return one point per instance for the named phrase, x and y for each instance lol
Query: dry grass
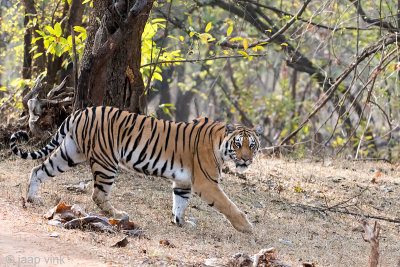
(267, 195)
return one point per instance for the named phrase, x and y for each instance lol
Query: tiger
(190, 154)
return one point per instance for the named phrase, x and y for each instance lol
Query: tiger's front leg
(180, 195)
(211, 193)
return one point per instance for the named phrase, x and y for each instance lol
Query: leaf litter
(73, 217)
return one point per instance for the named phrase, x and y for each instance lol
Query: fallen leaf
(309, 264)
(166, 243)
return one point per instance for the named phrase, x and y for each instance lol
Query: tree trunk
(165, 94)
(184, 99)
(110, 69)
(27, 64)
(39, 64)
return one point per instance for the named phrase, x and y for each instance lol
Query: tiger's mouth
(241, 167)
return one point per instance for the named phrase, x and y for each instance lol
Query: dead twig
(372, 236)
(338, 205)
(340, 210)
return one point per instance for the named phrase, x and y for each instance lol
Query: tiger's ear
(259, 130)
(229, 127)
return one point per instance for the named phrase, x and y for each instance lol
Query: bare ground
(273, 194)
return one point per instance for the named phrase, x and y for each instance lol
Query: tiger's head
(241, 145)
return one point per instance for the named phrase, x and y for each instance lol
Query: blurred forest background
(321, 76)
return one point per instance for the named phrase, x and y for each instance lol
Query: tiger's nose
(246, 159)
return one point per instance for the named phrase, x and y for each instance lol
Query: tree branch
(384, 24)
(383, 42)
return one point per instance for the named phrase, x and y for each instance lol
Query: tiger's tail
(53, 144)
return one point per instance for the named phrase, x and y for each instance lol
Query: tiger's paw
(35, 200)
(241, 223)
(178, 221)
(116, 214)
(119, 214)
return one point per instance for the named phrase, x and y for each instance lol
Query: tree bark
(110, 69)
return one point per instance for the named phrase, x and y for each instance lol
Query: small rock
(336, 179)
(56, 222)
(213, 262)
(192, 221)
(258, 205)
(129, 194)
(386, 189)
(286, 242)
(122, 243)
(54, 234)
(327, 163)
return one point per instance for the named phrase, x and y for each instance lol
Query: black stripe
(177, 135)
(141, 124)
(184, 136)
(154, 147)
(167, 138)
(155, 172)
(103, 175)
(99, 186)
(144, 169)
(51, 163)
(164, 167)
(172, 160)
(44, 168)
(107, 183)
(158, 157)
(133, 124)
(135, 145)
(152, 122)
(119, 131)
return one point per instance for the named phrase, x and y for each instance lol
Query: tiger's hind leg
(66, 156)
(103, 179)
(181, 194)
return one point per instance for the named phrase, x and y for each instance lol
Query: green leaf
(40, 32)
(236, 39)
(50, 30)
(79, 29)
(157, 76)
(33, 49)
(229, 31)
(245, 44)
(37, 55)
(35, 39)
(203, 37)
(57, 29)
(208, 27)
(172, 37)
(158, 20)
